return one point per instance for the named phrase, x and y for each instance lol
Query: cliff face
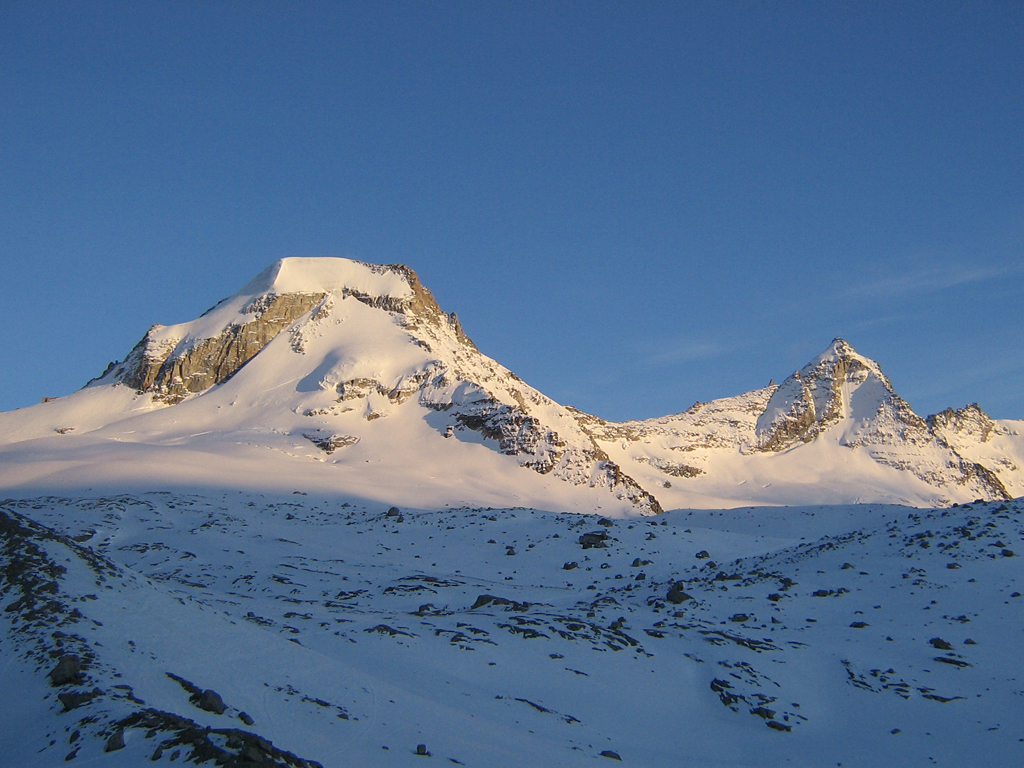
(172, 369)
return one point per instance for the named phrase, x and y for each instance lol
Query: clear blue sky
(632, 205)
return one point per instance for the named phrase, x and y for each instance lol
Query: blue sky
(632, 205)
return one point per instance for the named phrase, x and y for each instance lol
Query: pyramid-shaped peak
(840, 360)
(839, 383)
(328, 275)
(841, 349)
(841, 346)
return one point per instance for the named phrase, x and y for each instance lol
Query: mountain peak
(839, 351)
(173, 362)
(328, 275)
(340, 371)
(841, 346)
(822, 393)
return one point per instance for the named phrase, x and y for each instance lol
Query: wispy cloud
(685, 351)
(932, 280)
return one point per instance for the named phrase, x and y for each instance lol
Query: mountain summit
(343, 376)
(836, 385)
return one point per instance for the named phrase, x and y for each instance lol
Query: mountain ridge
(329, 351)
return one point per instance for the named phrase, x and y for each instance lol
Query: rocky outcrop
(969, 422)
(539, 447)
(422, 306)
(975, 473)
(172, 370)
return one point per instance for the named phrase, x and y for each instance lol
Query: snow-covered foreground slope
(337, 376)
(349, 634)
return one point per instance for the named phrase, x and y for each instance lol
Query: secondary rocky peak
(839, 383)
(969, 422)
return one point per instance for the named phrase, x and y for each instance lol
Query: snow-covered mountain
(322, 373)
(336, 375)
(833, 432)
(317, 527)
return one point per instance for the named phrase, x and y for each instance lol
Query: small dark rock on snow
(68, 670)
(75, 699)
(116, 741)
(211, 702)
(597, 539)
(676, 595)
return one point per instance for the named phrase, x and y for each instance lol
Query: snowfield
(349, 633)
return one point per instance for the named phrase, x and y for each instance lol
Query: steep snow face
(839, 384)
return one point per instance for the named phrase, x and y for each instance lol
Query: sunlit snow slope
(320, 374)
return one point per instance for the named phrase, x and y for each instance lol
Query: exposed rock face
(986, 478)
(68, 670)
(542, 449)
(329, 443)
(174, 370)
(969, 422)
